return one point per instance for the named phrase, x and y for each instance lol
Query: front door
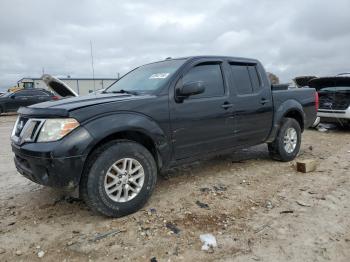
(202, 123)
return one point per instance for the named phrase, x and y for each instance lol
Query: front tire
(120, 178)
(287, 143)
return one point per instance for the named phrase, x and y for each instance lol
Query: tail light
(55, 98)
(317, 101)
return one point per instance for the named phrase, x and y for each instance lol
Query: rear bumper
(52, 172)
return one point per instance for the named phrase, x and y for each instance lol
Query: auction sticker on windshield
(159, 76)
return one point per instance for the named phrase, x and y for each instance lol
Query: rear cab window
(246, 79)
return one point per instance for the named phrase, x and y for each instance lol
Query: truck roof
(241, 59)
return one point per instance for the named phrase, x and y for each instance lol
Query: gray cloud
(291, 38)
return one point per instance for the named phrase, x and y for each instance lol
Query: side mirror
(190, 89)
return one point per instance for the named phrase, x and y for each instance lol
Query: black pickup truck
(113, 144)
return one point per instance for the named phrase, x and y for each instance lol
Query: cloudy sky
(291, 38)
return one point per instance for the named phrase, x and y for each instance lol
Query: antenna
(92, 66)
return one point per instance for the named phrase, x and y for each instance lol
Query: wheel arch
(131, 135)
(297, 115)
(290, 108)
(129, 126)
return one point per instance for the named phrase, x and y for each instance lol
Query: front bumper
(53, 172)
(327, 113)
(54, 164)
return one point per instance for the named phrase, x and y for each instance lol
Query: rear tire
(287, 143)
(110, 185)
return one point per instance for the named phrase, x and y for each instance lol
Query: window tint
(242, 79)
(253, 73)
(210, 75)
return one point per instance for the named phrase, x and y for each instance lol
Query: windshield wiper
(121, 91)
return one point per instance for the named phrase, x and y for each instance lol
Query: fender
(284, 109)
(110, 124)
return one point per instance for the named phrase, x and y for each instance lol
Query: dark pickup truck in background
(112, 145)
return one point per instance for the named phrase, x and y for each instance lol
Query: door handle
(264, 101)
(226, 105)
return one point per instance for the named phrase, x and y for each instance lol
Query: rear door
(203, 122)
(253, 106)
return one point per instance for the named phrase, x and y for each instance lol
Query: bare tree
(273, 78)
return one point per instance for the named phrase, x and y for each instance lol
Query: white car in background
(334, 98)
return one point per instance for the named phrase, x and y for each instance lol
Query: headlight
(55, 129)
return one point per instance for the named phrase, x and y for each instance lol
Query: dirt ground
(258, 210)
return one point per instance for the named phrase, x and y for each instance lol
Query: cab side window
(254, 78)
(246, 79)
(210, 74)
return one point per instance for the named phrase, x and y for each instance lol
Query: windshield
(147, 78)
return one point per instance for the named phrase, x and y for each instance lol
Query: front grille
(26, 129)
(21, 122)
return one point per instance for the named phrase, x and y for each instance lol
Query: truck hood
(326, 82)
(302, 81)
(62, 108)
(59, 87)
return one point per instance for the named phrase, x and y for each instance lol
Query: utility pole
(92, 66)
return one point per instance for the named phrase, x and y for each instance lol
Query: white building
(82, 86)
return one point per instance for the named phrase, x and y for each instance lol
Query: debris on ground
(263, 227)
(205, 190)
(172, 227)
(153, 259)
(287, 212)
(202, 205)
(106, 234)
(220, 188)
(302, 204)
(208, 240)
(321, 129)
(153, 210)
(306, 166)
(41, 254)
(268, 204)
(68, 199)
(324, 127)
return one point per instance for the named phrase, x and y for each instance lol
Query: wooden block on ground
(305, 166)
